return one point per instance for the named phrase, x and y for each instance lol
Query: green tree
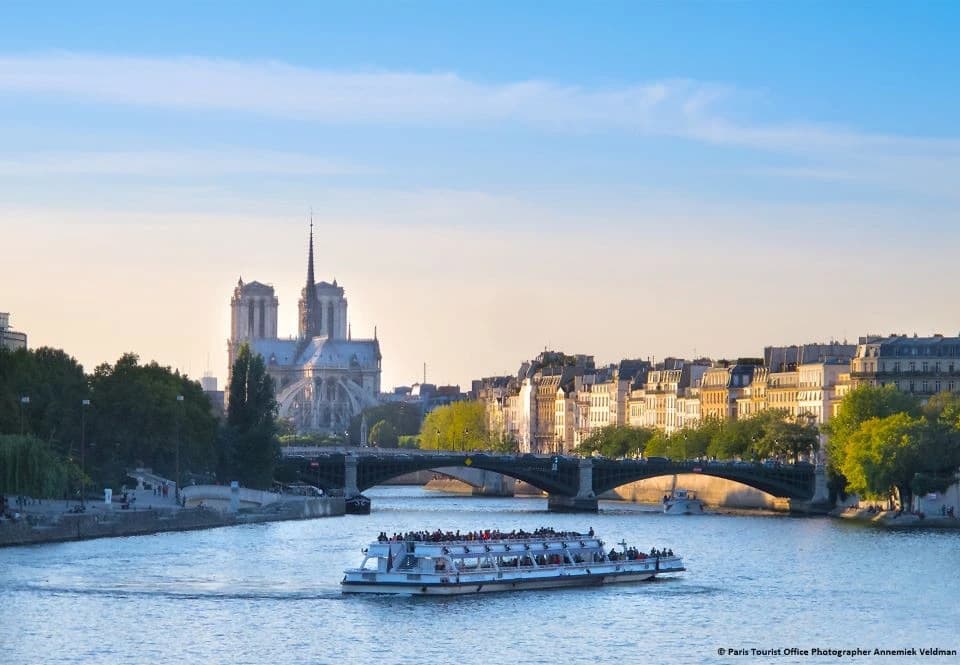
(857, 407)
(31, 467)
(735, 439)
(249, 450)
(900, 455)
(383, 435)
(135, 419)
(55, 384)
(782, 438)
(457, 426)
(617, 441)
(404, 417)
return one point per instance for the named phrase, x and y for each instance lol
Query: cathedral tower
(253, 312)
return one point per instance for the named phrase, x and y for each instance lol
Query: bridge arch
(783, 482)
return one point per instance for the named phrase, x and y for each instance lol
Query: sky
(622, 179)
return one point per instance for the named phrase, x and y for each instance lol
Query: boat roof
(472, 548)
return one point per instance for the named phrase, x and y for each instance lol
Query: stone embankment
(100, 522)
(892, 519)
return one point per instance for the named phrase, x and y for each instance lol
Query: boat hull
(683, 507)
(493, 585)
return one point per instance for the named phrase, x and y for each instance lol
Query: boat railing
(573, 538)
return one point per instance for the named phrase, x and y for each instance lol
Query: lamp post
(463, 446)
(24, 399)
(438, 438)
(84, 403)
(177, 464)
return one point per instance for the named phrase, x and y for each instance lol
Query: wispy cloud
(681, 108)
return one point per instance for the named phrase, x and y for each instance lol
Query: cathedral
(323, 377)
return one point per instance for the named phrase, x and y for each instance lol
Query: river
(269, 593)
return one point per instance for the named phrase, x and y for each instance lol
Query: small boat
(357, 505)
(682, 502)
(485, 562)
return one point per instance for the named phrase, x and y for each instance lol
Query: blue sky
(590, 137)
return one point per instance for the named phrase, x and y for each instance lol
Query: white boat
(682, 502)
(500, 562)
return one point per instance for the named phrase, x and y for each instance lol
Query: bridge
(572, 484)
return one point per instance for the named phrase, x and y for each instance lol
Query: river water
(269, 593)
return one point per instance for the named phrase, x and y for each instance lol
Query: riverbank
(37, 527)
(891, 519)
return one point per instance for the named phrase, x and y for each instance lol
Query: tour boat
(426, 565)
(682, 502)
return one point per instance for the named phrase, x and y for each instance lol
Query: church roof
(319, 352)
(323, 352)
(280, 351)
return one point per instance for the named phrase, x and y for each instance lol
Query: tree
(135, 419)
(405, 419)
(457, 426)
(781, 438)
(857, 407)
(30, 467)
(735, 439)
(249, 449)
(901, 455)
(383, 435)
(55, 384)
(617, 441)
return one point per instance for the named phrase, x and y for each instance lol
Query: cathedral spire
(309, 306)
(311, 282)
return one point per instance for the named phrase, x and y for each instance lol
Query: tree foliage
(859, 406)
(56, 386)
(31, 467)
(249, 449)
(617, 441)
(383, 435)
(886, 444)
(135, 419)
(458, 426)
(405, 419)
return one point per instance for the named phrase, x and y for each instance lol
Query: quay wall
(710, 490)
(108, 523)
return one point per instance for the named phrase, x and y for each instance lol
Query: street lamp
(179, 409)
(438, 438)
(463, 446)
(24, 399)
(84, 403)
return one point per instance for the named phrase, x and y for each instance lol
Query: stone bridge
(571, 483)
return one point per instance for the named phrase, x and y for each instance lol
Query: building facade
(10, 339)
(921, 366)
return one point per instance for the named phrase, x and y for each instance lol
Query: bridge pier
(494, 484)
(585, 501)
(356, 503)
(820, 503)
